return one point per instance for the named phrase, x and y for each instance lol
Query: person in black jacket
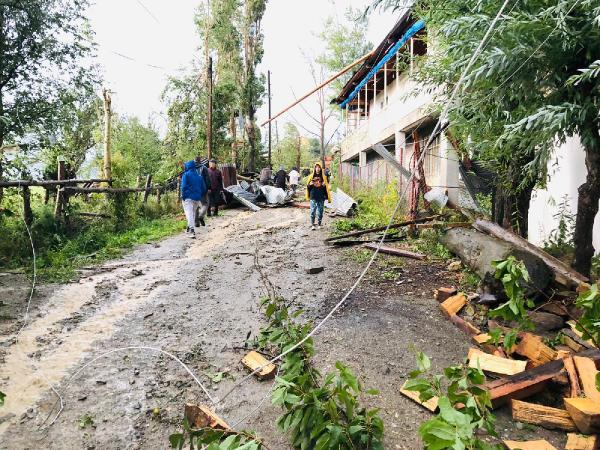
(216, 187)
(281, 178)
(202, 169)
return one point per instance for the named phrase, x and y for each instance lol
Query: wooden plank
(579, 334)
(533, 348)
(431, 404)
(382, 228)
(586, 369)
(572, 343)
(585, 413)
(454, 304)
(254, 360)
(396, 251)
(577, 441)
(573, 378)
(201, 416)
(529, 445)
(495, 364)
(544, 416)
(444, 293)
(466, 327)
(530, 382)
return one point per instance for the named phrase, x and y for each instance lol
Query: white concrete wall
(566, 172)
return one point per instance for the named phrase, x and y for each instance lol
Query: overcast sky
(134, 35)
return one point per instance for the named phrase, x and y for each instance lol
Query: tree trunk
(587, 208)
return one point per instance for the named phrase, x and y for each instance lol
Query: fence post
(147, 188)
(27, 213)
(60, 193)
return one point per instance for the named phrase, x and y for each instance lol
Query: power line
(148, 11)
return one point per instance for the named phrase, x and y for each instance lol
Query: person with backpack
(317, 191)
(193, 190)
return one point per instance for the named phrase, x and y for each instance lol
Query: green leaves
(211, 439)
(589, 322)
(2, 397)
(513, 275)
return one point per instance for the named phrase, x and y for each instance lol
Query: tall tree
(293, 150)
(42, 46)
(535, 84)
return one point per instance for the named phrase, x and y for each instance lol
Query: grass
(429, 244)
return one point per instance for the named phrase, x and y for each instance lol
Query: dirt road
(197, 299)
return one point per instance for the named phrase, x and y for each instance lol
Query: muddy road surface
(198, 301)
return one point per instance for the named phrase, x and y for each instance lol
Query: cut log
(254, 360)
(586, 369)
(585, 413)
(555, 308)
(580, 442)
(573, 326)
(495, 364)
(572, 343)
(545, 321)
(396, 251)
(544, 416)
(443, 293)
(563, 274)
(575, 387)
(530, 382)
(529, 445)
(532, 347)
(467, 327)
(200, 416)
(382, 228)
(431, 404)
(454, 304)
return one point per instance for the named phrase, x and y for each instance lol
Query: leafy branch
(213, 439)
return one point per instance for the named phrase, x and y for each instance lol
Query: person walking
(317, 191)
(202, 169)
(216, 187)
(192, 190)
(281, 177)
(266, 174)
(294, 177)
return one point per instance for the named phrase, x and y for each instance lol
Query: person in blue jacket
(193, 190)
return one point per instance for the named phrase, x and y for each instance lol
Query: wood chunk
(573, 378)
(482, 338)
(562, 354)
(580, 442)
(495, 364)
(431, 404)
(200, 416)
(253, 360)
(573, 344)
(555, 308)
(579, 334)
(396, 251)
(443, 293)
(453, 304)
(314, 270)
(585, 412)
(544, 416)
(586, 369)
(530, 382)
(533, 348)
(529, 445)
(467, 327)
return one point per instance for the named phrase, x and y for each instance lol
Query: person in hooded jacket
(193, 190)
(281, 177)
(317, 191)
(202, 169)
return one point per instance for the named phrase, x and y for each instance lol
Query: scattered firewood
(555, 308)
(573, 341)
(431, 404)
(529, 445)
(467, 327)
(580, 442)
(495, 364)
(544, 416)
(253, 360)
(562, 353)
(396, 251)
(579, 334)
(585, 413)
(382, 228)
(530, 382)
(200, 416)
(453, 304)
(532, 347)
(586, 369)
(573, 379)
(443, 293)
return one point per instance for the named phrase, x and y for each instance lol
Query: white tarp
(273, 194)
(341, 202)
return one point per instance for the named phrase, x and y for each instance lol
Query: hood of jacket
(189, 165)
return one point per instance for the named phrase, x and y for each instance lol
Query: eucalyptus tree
(535, 84)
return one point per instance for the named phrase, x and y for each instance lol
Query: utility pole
(107, 133)
(209, 81)
(269, 95)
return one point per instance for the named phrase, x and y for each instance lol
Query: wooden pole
(269, 95)
(107, 134)
(320, 86)
(158, 194)
(147, 188)
(60, 193)
(209, 113)
(27, 213)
